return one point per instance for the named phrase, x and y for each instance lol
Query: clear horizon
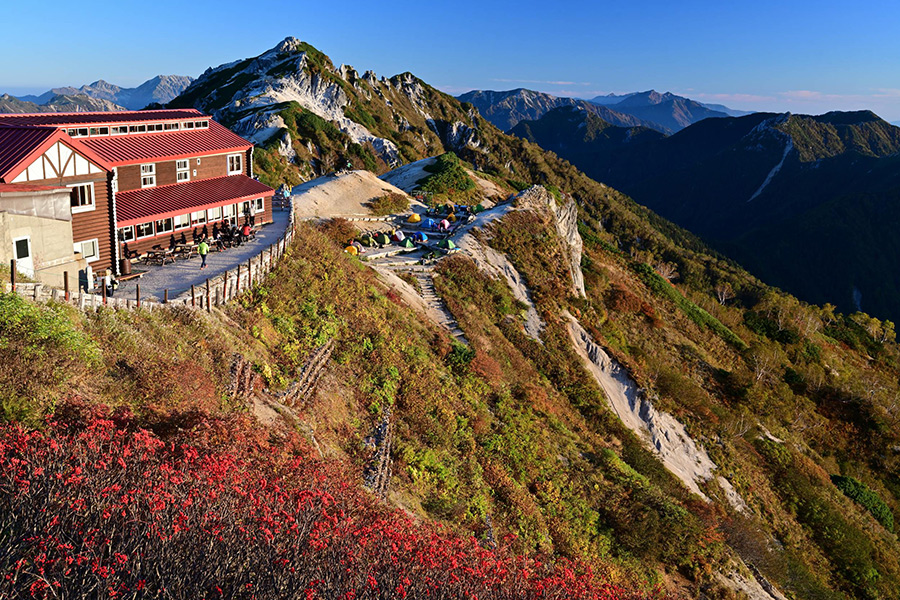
(804, 58)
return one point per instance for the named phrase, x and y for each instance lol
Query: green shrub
(40, 347)
(860, 492)
(389, 204)
(448, 176)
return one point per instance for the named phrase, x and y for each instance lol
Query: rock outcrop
(566, 219)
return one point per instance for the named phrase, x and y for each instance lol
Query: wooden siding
(96, 223)
(215, 165)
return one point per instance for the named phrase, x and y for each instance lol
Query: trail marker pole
(12, 273)
(66, 284)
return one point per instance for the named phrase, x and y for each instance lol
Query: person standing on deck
(203, 251)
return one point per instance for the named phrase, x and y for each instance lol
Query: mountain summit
(667, 109)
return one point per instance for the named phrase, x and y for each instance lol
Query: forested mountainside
(806, 203)
(506, 109)
(758, 456)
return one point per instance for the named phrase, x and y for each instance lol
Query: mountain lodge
(134, 179)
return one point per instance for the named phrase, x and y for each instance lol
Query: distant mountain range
(158, 90)
(506, 109)
(57, 103)
(811, 204)
(612, 99)
(666, 113)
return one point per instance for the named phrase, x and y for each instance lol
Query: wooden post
(103, 292)
(66, 284)
(12, 273)
(193, 296)
(249, 273)
(270, 258)
(208, 307)
(139, 295)
(238, 293)
(166, 296)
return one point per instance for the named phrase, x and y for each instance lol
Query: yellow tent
(351, 250)
(414, 218)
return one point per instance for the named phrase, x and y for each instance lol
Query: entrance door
(22, 252)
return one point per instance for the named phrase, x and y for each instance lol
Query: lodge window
(203, 124)
(99, 131)
(182, 221)
(163, 226)
(258, 205)
(182, 170)
(126, 234)
(228, 211)
(137, 128)
(144, 230)
(215, 214)
(187, 125)
(148, 175)
(171, 126)
(89, 249)
(118, 130)
(155, 127)
(78, 132)
(198, 218)
(234, 164)
(82, 199)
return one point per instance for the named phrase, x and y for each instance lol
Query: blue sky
(802, 56)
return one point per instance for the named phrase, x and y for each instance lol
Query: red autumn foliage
(108, 512)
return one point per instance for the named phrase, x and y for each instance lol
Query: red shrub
(105, 513)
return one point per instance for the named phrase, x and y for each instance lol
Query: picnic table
(186, 251)
(159, 257)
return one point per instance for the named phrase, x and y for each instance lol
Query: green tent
(478, 208)
(407, 243)
(446, 244)
(366, 240)
(382, 239)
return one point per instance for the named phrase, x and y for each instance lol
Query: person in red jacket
(245, 231)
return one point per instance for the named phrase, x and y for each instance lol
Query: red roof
(10, 188)
(133, 149)
(140, 206)
(17, 143)
(94, 118)
(19, 146)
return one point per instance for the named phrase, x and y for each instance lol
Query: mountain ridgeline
(808, 203)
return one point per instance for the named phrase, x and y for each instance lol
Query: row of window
(164, 226)
(183, 170)
(105, 130)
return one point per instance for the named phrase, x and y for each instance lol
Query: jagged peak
(289, 44)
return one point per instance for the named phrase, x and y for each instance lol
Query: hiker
(246, 231)
(110, 283)
(203, 251)
(220, 242)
